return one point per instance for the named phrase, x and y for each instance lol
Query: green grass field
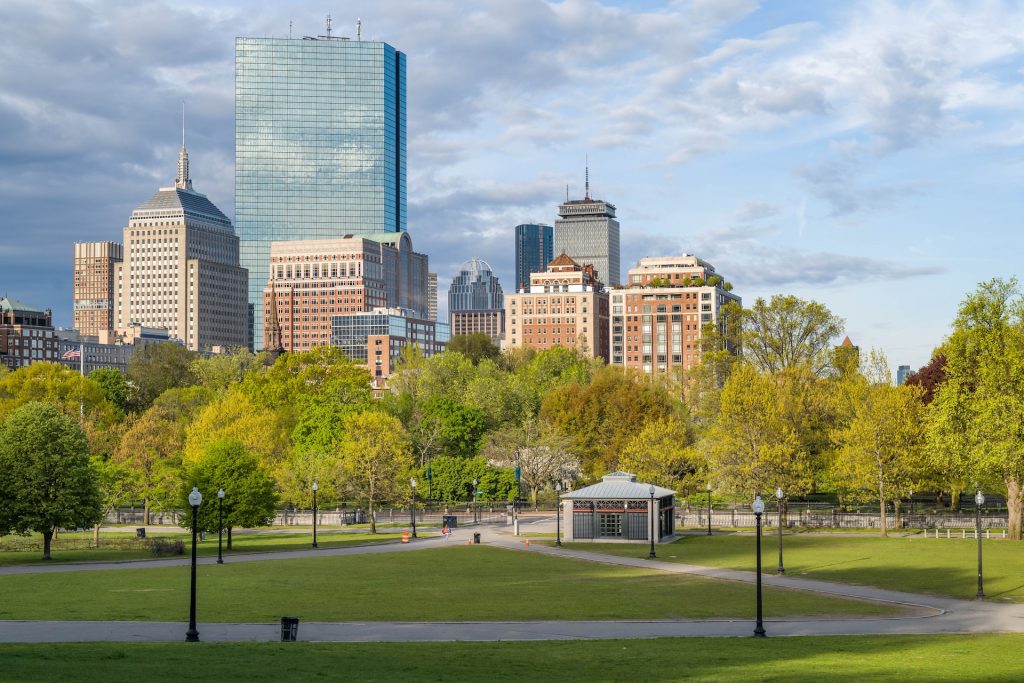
(959, 659)
(117, 546)
(457, 583)
(918, 565)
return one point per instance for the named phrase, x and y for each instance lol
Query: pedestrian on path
(446, 532)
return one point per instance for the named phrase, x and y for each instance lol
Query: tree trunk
(883, 523)
(229, 538)
(96, 535)
(47, 537)
(145, 512)
(896, 514)
(1014, 499)
(373, 519)
(954, 500)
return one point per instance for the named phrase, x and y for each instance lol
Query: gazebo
(619, 508)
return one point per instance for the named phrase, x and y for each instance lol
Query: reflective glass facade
(320, 145)
(534, 251)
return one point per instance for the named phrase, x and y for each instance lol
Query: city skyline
(838, 153)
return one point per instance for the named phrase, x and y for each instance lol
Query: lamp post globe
(758, 508)
(709, 507)
(412, 508)
(650, 490)
(779, 494)
(195, 499)
(558, 513)
(315, 487)
(220, 526)
(979, 500)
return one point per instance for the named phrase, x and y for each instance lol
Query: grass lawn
(918, 565)
(961, 659)
(115, 546)
(457, 583)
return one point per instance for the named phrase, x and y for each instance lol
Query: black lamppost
(412, 509)
(779, 495)
(558, 513)
(430, 482)
(220, 526)
(758, 508)
(192, 634)
(475, 514)
(979, 500)
(709, 508)
(651, 555)
(316, 487)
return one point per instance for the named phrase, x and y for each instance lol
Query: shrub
(162, 547)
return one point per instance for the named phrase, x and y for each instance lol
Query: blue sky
(868, 155)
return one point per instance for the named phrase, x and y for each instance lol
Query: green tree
(663, 453)
(47, 481)
(234, 415)
(542, 455)
(753, 447)
(151, 448)
(451, 480)
(155, 368)
(249, 496)
(219, 371)
(460, 427)
(376, 459)
(882, 448)
(980, 406)
(788, 332)
(117, 483)
(476, 347)
(115, 386)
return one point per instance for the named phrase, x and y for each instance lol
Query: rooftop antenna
(328, 25)
(586, 194)
(289, 29)
(359, 29)
(567, 192)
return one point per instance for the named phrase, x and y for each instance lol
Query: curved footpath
(926, 614)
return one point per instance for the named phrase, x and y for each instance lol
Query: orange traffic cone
(405, 536)
(527, 543)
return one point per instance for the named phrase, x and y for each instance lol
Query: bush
(163, 547)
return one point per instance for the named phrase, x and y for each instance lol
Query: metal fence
(835, 519)
(432, 515)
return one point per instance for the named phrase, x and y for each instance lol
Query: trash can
(451, 520)
(476, 538)
(140, 532)
(289, 629)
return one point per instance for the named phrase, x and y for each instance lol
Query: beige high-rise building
(94, 285)
(431, 296)
(563, 306)
(180, 270)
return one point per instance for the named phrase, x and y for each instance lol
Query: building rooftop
(191, 204)
(7, 304)
(619, 486)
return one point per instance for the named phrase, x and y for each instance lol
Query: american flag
(73, 354)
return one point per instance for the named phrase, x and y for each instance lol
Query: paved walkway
(924, 615)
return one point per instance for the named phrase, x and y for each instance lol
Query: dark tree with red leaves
(929, 377)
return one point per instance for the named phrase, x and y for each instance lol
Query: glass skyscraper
(534, 251)
(320, 146)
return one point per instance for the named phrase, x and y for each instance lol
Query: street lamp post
(412, 509)
(220, 526)
(476, 517)
(758, 508)
(979, 500)
(709, 508)
(779, 495)
(192, 634)
(430, 482)
(316, 487)
(558, 513)
(650, 490)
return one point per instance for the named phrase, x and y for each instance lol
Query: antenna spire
(328, 25)
(586, 194)
(359, 29)
(183, 180)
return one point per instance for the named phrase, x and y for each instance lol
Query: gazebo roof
(619, 486)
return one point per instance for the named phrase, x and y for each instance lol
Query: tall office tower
(476, 302)
(588, 232)
(566, 305)
(534, 250)
(431, 296)
(180, 270)
(94, 285)
(657, 320)
(319, 145)
(902, 373)
(312, 280)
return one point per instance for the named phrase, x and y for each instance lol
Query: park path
(927, 614)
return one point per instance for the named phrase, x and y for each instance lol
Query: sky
(867, 155)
